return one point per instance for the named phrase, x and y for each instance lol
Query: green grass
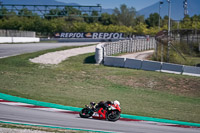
(190, 57)
(35, 128)
(77, 81)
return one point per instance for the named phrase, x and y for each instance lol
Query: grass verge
(77, 81)
(19, 127)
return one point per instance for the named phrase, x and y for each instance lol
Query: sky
(137, 4)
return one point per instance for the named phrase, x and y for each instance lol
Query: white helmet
(117, 102)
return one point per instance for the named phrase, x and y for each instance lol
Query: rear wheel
(113, 115)
(86, 113)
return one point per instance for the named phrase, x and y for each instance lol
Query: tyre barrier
(99, 53)
(151, 66)
(125, 46)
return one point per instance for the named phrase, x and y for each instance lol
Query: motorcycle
(111, 113)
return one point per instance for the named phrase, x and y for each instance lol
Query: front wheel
(86, 113)
(113, 115)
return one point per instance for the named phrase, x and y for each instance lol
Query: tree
(70, 11)
(13, 22)
(25, 12)
(140, 19)
(125, 16)
(3, 11)
(186, 23)
(141, 29)
(94, 17)
(195, 22)
(153, 20)
(164, 23)
(54, 12)
(106, 19)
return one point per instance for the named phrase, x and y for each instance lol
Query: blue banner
(92, 35)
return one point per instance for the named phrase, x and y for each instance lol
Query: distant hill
(177, 11)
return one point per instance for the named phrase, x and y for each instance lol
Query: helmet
(117, 102)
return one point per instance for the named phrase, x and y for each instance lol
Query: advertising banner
(91, 35)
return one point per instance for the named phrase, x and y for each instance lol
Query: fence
(16, 33)
(183, 42)
(126, 46)
(187, 35)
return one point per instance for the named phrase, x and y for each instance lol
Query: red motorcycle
(111, 113)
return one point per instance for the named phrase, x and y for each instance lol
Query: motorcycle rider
(101, 106)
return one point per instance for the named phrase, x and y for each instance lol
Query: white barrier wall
(114, 61)
(133, 63)
(192, 71)
(18, 39)
(5, 39)
(172, 68)
(151, 65)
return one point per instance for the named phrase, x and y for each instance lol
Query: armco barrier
(133, 63)
(151, 65)
(192, 71)
(114, 61)
(172, 68)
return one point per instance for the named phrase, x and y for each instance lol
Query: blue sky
(137, 4)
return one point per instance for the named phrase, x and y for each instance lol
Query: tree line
(123, 19)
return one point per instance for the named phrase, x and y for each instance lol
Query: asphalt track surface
(32, 116)
(7, 50)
